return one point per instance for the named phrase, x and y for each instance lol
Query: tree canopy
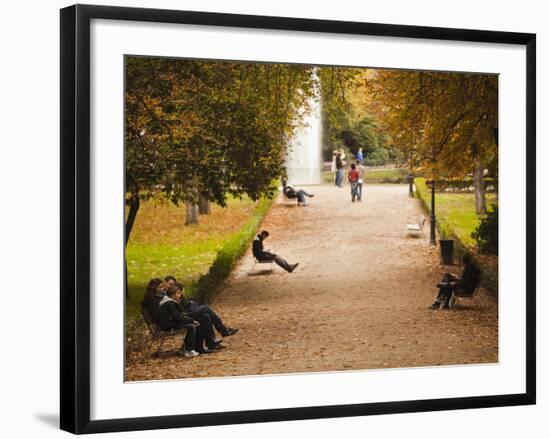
(441, 122)
(212, 129)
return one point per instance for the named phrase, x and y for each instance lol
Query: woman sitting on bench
(155, 291)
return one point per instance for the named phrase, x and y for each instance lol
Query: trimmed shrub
(486, 233)
(489, 276)
(226, 259)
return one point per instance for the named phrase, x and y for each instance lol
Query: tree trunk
(479, 188)
(192, 214)
(126, 277)
(130, 220)
(204, 205)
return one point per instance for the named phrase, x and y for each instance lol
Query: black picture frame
(75, 217)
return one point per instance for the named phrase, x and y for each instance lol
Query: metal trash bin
(447, 250)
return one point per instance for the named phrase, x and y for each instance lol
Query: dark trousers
(354, 190)
(266, 256)
(205, 332)
(215, 318)
(189, 340)
(190, 336)
(446, 292)
(301, 194)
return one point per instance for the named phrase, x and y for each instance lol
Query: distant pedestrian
(353, 179)
(333, 162)
(339, 169)
(360, 156)
(361, 171)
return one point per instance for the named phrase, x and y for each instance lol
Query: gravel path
(358, 299)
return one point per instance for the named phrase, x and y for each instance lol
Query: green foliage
(457, 219)
(377, 157)
(161, 246)
(486, 234)
(211, 128)
(352, 135)
(465, 184)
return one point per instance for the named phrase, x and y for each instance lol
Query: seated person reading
(465, 284)
(262, 255)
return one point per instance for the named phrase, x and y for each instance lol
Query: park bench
(457, 295)
(156, 332)
(287, 200)
(414, 228)
(256, 262)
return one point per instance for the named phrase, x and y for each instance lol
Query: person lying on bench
(292, 193)
(172, 317)
(191, 306)
(261, 255)
(465, 284)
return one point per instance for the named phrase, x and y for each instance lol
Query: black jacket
(151, 304)
(289, 192)
(171, 315)
(258, 249)
(470, 278)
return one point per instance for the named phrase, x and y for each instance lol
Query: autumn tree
(206, 130)
(441, 122)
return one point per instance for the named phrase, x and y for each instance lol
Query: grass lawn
(455, 212)
(160, 243)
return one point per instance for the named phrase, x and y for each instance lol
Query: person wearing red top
(353, 179)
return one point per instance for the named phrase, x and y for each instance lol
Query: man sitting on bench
(292, 193)
(171, 310)
(261, 255)
(465, 284)
(172, 317)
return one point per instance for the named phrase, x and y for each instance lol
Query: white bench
(414, 228)
(256, 261)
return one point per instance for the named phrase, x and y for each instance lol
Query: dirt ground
(358, 299)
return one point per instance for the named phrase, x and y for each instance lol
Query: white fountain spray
(303, 157)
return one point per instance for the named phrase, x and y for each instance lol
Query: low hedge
(465, 185)
(227, 257)
(489, 275)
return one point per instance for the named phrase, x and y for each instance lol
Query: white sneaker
(190, 354)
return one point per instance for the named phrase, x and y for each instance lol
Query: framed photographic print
(292, 219)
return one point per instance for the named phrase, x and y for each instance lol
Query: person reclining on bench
(465, 284)
(261, 255)
(292, 193)
(190, 306)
